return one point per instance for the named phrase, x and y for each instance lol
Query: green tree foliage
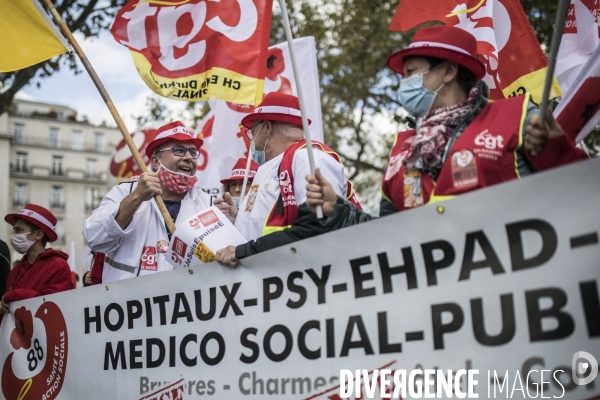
(89, 17)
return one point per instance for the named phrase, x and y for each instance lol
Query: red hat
(445, 42)
(173, 131)
(276, 107)
(237, 173)
(38, 216)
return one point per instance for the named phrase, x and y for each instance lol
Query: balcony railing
(91, 207)
(57, 205)
(62, 145)
(20, 203)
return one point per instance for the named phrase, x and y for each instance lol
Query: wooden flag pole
(561, 16)
(288, 34)
(111, 107)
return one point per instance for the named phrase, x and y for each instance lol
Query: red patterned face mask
(176, 182)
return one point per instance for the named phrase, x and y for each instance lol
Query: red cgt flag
(193, 50)
(506, 43)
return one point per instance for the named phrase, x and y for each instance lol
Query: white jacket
(140, 248)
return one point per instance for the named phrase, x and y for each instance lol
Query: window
(57, 165)
(76, 140)
(60, 230)
(98, 142)
(92, 168)
(92, 198)
(54, 137)
(57, 197)
(21, 165)
(18, 131)
(60, 115)
(20, 195)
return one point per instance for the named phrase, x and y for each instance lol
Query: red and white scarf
(426, 147)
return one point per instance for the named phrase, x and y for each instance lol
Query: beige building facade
(51, 157)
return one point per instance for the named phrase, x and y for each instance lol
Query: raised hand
(319, 192)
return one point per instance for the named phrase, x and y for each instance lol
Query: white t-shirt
(264, 191)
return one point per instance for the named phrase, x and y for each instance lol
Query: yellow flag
(27, 36)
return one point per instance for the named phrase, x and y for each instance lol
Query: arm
(58, 281)
(109, 223)
(306, 226)
(4, 266)
(547, 146)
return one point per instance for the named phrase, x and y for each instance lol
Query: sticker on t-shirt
(464, 169)
(413, 188)
(251, 197)
(394, 166)
(162, 246)
(148, 261)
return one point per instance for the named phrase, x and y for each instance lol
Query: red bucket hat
(38, 216)
(445, 42)
(276, 107)
(237, 173)
(173, 131)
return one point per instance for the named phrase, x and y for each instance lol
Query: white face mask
(20, 242)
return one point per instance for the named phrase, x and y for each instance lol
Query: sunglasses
(180, 151)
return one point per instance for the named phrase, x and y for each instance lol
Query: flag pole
(309, 148)
(246, 175)
(561, 16)
(111, 107)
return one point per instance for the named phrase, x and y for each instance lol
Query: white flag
(579, 40)
(227, 142)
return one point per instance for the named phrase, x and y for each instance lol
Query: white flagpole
(246, 173)
(288, 34)
(561, 16)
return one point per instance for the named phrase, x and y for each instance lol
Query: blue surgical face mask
(259, 157)
(415, 98)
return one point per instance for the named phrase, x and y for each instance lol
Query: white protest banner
(229, 142)
(195, 239)
(499, 285)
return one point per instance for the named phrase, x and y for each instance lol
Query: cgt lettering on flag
(506, 44)
(194, 50)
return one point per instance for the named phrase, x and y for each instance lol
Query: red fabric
(424, 44)
(558, 151)
(48, 274)
(97, 268)
(289, 214)
(492, 138)
(27, 214)
(275, 99)
(501, 64)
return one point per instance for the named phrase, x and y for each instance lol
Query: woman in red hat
(461, 141)
(233, 184)
(41, 271)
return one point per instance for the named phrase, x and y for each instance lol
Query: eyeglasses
(249, 131)
(180, 151)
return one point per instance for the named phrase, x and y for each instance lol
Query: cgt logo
(179, 247)
(584, 363)
(489, 141)
(148, 260)
(36, 368)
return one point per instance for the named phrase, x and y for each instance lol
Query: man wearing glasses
(274, 212)
(128, 226)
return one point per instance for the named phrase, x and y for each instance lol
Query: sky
(116, 70)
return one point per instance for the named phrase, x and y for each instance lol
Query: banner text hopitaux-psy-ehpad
(503, 280)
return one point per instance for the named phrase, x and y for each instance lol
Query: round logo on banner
(37, 365)
(122, 163)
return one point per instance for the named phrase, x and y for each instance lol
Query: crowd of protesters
(441, 157)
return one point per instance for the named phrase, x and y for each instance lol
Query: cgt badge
(37, 366)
